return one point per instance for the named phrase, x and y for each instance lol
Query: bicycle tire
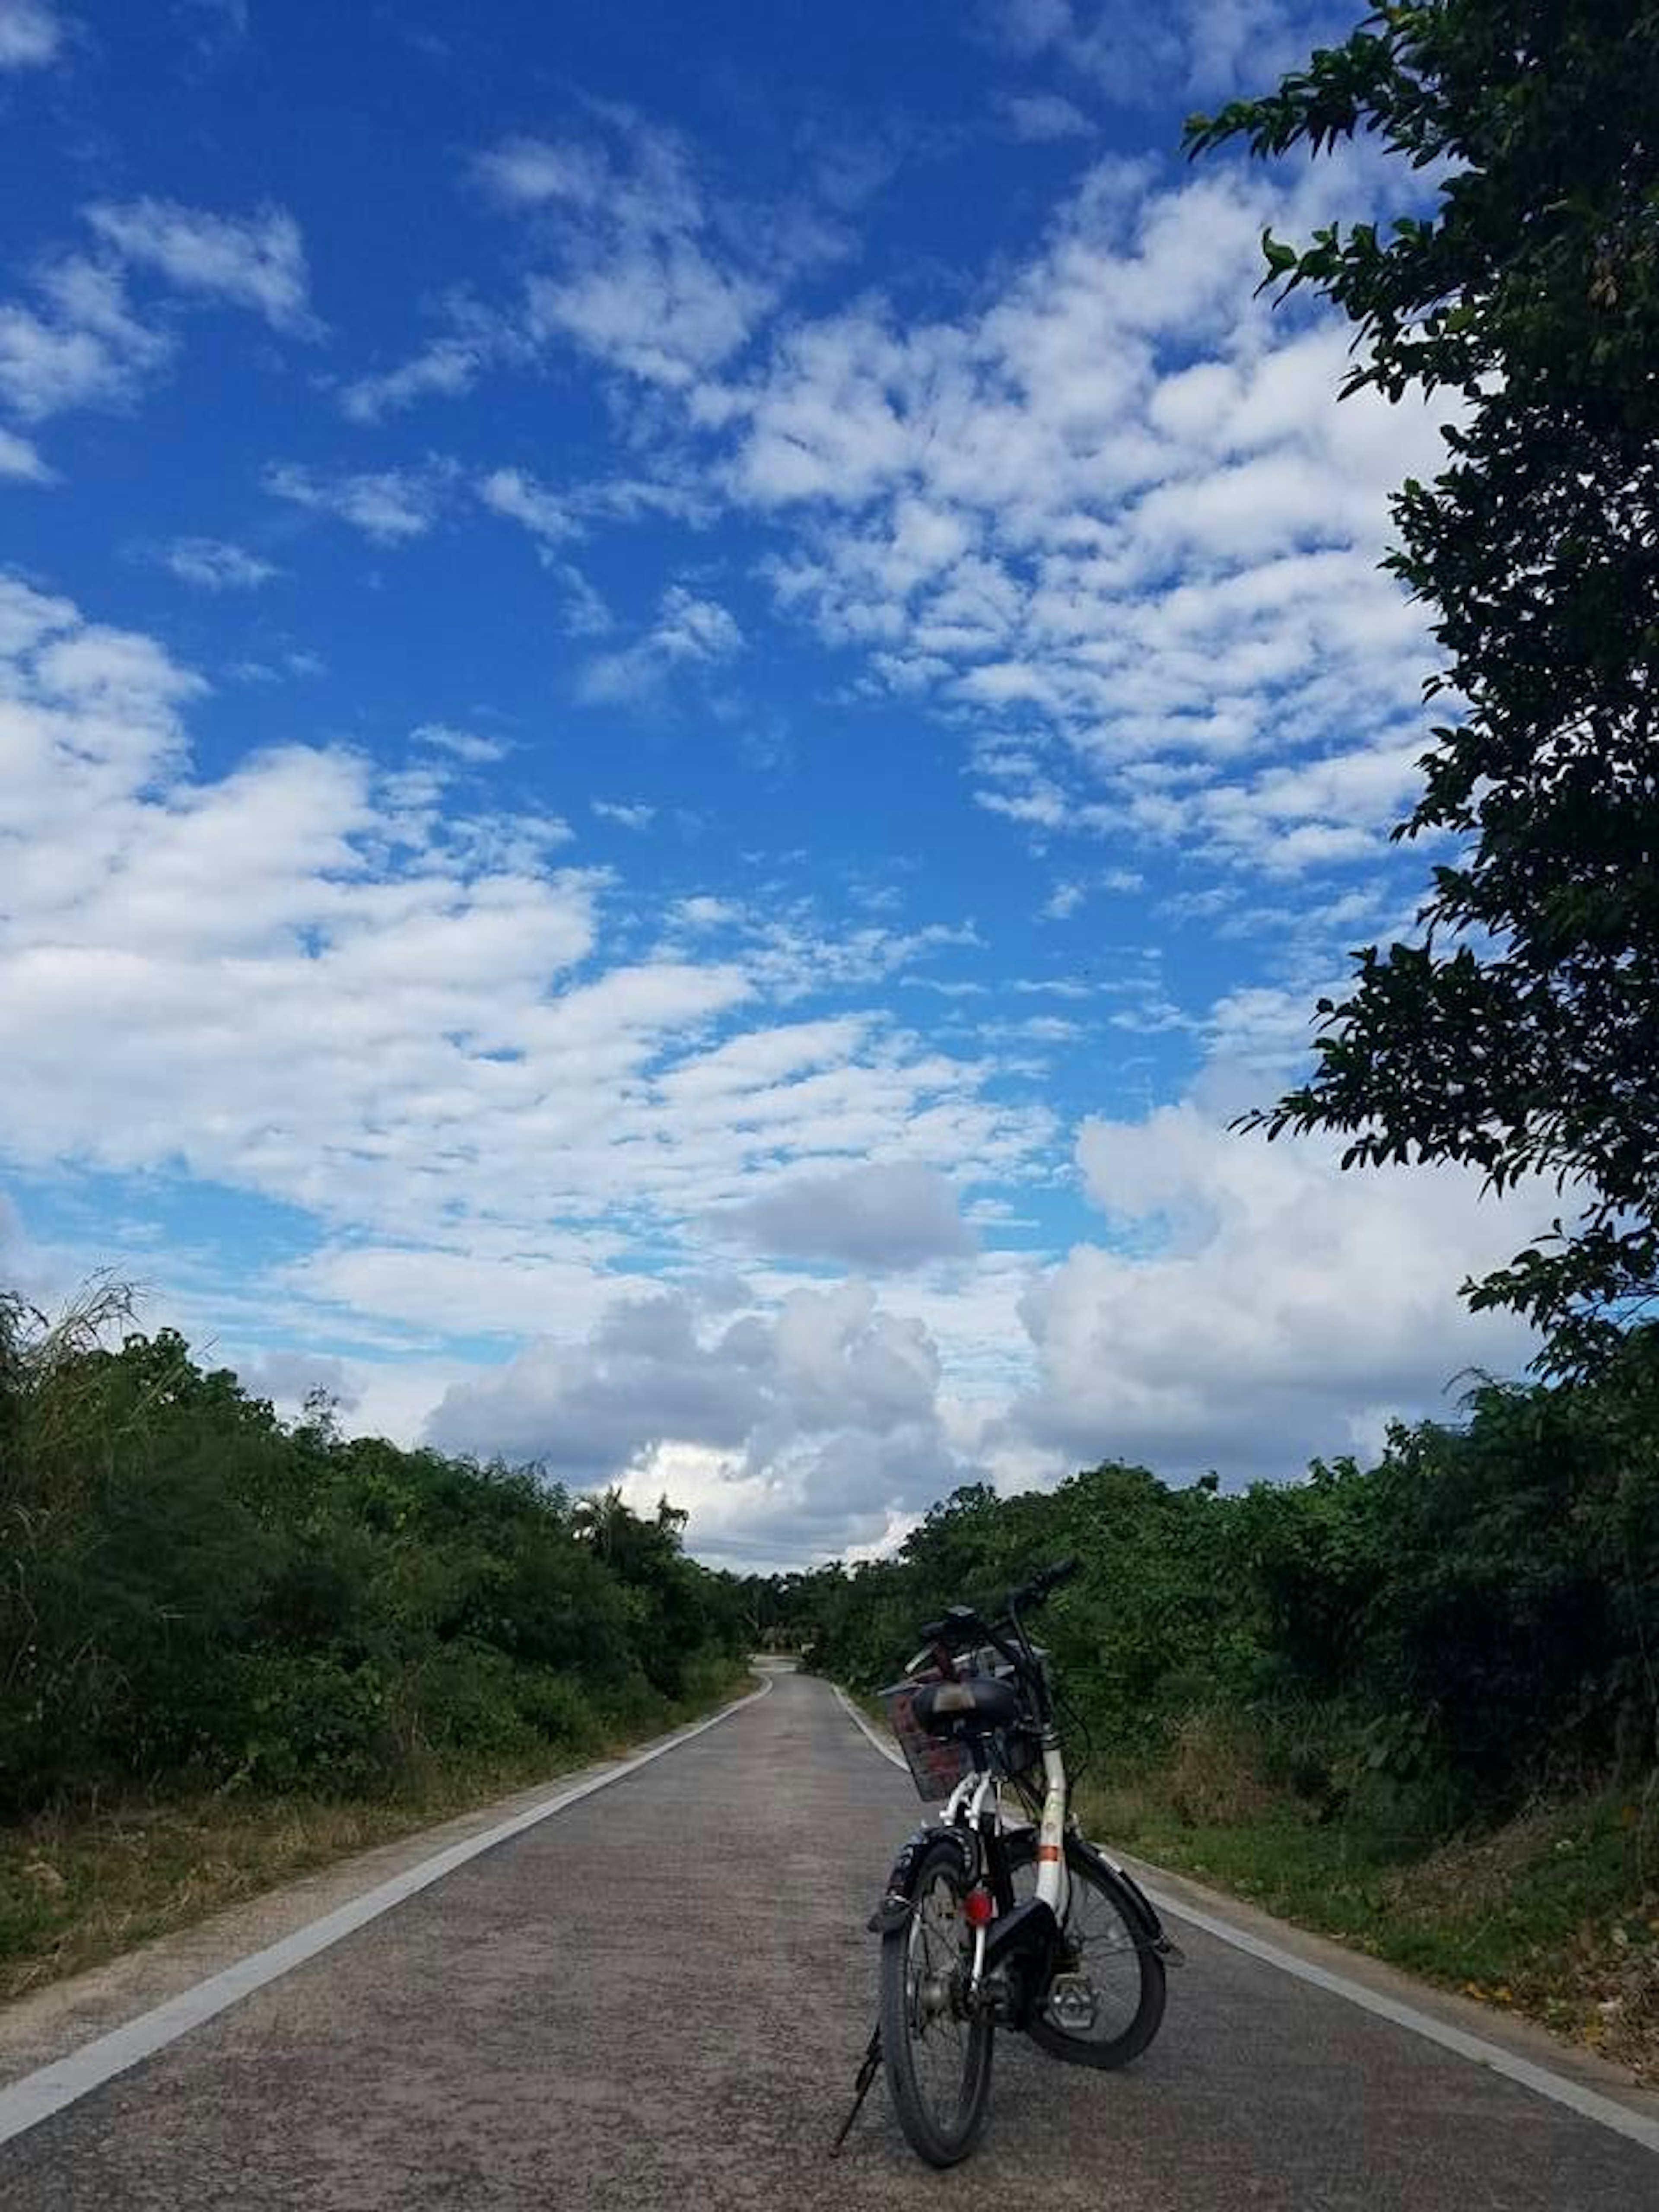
(941, 2103)
(1137, 1987)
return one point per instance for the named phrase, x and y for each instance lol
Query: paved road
(658, 1998)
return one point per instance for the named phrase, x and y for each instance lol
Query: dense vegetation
(1413, 1645)
(1516, 1030)
(196, 1594)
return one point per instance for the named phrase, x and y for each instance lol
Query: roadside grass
(1554, 1915)
(80, 1886)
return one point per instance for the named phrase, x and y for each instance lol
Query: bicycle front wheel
(936, 2050)
(1106, 2004)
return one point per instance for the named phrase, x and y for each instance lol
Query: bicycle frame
(977, 1803)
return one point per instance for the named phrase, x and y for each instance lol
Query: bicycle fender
(900, 1894)
(1151, 1929)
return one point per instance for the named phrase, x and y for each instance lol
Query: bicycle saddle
(977, 1701)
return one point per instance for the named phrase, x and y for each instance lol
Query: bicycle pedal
(1072, 2001)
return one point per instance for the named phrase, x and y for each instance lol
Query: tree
(1520, 1034)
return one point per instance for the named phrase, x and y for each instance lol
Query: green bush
(1406, 1647)
(191, 1588)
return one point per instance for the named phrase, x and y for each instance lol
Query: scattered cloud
(648, 274)
(81, 347)
(214, 564)
(544, 513)
(467, 746)
(22, 461)
(1040, 117)
(324, 983)
(257, 261)
(689, 632)
(1112, 526)
(31, 35)
(1199, 49)
(477, 338)
(639, 816)
(390, 505)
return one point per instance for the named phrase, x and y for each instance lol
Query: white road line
(25, 2103)
(1588, 2103)
(887, 1750)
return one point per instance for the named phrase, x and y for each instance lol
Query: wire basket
(937, 1763)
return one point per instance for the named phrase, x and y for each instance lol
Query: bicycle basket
(937, 1763)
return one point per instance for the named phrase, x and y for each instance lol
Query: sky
(687, 699)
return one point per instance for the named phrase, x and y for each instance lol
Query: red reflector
(979, 1907)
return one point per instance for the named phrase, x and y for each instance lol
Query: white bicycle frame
(978, 1797)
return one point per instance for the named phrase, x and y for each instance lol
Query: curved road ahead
(658, 1997)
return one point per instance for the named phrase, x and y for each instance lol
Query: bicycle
(983, 1925)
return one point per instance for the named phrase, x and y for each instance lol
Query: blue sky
(681, 709)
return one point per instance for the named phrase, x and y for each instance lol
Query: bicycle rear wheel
(1107, 2004)
(937, 2053)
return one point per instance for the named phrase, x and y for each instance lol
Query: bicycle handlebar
(962, 1625)
(1045, 1580)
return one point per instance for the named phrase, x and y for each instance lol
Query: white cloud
(637, 816)
(31, 35)
(689, 632)
(1202, 49)
(464, 745)
(647, 276)
(1259, 1306)
(886, 1216)
(215, 565)
(21, 461)
(1114, 525)
(257, 261)
(803, 1429)
(82, 348)
(390, 505)
(1040, 117)
(326, 983)
(510, 493)
(444, 368)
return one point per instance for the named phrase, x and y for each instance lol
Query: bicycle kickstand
(868, 2070)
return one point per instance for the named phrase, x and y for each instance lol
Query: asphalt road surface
(658, 1996)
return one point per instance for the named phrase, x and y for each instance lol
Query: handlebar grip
(1048, 1578)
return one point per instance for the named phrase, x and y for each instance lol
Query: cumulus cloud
(256, 261)
(887, 1216)
(289, 1379)
(1257, 1306)
(816, 1422)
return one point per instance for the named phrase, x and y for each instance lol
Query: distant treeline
(195, 1592)
(1412, 1644)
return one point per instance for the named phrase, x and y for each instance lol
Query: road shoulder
(51, 2025)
